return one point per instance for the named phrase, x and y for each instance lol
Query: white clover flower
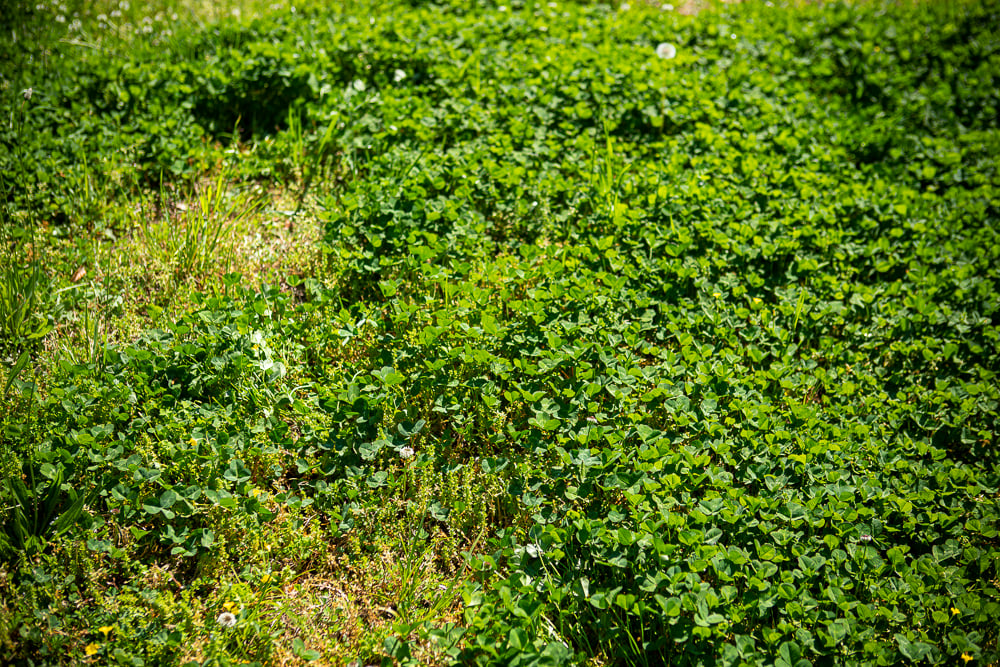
(624, 7)
(227, 619)
(666, 51)
(358, 85)
(406, 452)
(865, 537)
(27, 93)
(398, 75)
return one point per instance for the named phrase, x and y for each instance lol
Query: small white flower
(358, 85)
(406, 452)
(624, 7)
(666, 8)
(666, 51)
(865, 537)
(27, 93)
(398, 75)
(227, 619)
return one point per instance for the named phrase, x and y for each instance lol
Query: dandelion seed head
(227, 619)
(666, 51)
(27, 92)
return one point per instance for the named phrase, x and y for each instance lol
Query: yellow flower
(756, 300)
(966, 657)
(193, 442)
(955, 611)
(228, 606)
(716, 294)
(106, 629)
(91, 649)
(266, 578)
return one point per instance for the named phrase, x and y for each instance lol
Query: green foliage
(38, 513)
(612, 358)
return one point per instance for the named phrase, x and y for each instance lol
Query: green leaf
(914, 651)
(15, 370)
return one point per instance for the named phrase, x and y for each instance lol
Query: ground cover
(499, 334)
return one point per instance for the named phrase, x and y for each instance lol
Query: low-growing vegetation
(540, 333)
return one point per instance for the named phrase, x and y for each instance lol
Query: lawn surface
(525, 334)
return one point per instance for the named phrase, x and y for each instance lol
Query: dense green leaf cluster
(717, 336)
